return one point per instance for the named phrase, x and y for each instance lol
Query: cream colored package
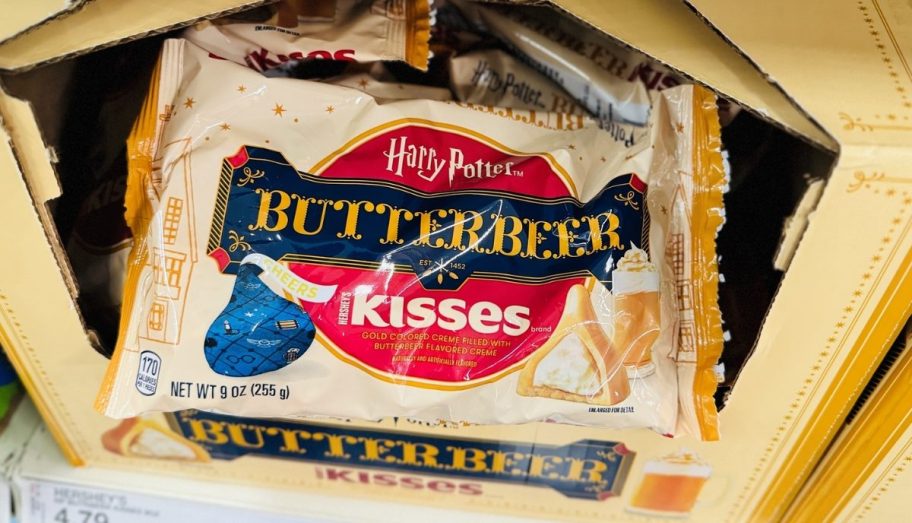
(493, 77)
(345, 30)
(313, 253)
(381, 85)
(600, 76)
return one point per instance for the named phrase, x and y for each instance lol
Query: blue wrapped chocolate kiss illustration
(259, 331)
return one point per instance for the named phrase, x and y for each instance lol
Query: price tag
(53, 502)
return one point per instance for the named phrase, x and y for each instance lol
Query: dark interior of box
(86, 106)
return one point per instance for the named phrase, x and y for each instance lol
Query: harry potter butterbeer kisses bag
(302, 250)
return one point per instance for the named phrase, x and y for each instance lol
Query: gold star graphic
(885, 239)
(848, 309)
(188, 103)
(571, 147)
(241, 88)
(604, 159)
(874, 258)
(278, 109)
(866, 276)
(859, 293)
(362, 83)
(840, 324)
(897, 221)
(891, 192)
(225, 127)
(330, 109)
(679, 127)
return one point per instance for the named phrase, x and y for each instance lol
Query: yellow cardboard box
(865, 475)
(846, 292)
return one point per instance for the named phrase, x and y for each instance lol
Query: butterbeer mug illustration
(670, 485)
(635, 287)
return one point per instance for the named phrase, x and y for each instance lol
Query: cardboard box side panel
(25, 322)
(831, 323)
(41, 179)
(880, 434)
(854, 68)
(21, 16)
(105, 22)
(884, 495)
(673, 34)
(36, 163)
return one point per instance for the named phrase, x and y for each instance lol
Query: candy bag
(306, 251)
(347, 30)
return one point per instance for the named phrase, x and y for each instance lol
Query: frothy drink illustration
(670, 485)
(636, 310)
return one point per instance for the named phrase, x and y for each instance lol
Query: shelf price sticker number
(67, 515)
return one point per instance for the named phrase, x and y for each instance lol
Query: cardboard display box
(865, 475)
(844, 88)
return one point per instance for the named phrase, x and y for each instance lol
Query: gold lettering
(238, 437)
(460, 230)
(411, 452)
(208, 431)
(290, 439)
(374, 449)
(427, 224)
(300, 216)
(512, 462)
(463, 461)
(534, 228)
(566, 238)
(597, 230)
(501, 233)
(351, 217)
(590, 468)
(267, 208)
(336, 444)
(539, 465)
(392, 227)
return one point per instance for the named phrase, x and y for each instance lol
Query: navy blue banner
(266, 206)
(587, 469)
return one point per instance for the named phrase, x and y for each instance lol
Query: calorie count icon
(147, 373)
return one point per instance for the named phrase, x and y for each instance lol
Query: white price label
(53, 502)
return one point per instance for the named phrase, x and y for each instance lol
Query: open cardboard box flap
(24, 16)
(102, 23)
(672, 33)
(854, 70)
(667, 31)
